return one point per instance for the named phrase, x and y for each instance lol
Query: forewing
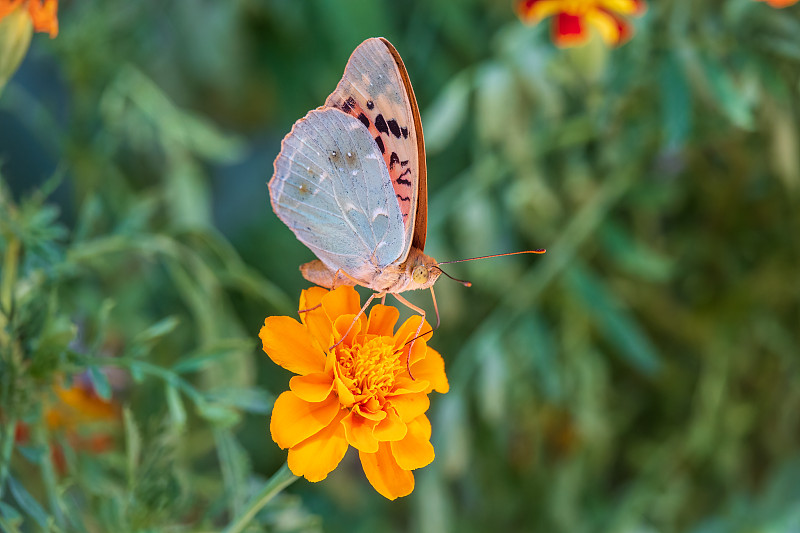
(332, 188)
(376, 90)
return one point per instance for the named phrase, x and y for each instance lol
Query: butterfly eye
(420, 274)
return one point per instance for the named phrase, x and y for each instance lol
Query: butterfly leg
(419, 328)
(319, 268)
(383, 299)
(301, 311)
(436, 309)
(344, 276)
(355, 319)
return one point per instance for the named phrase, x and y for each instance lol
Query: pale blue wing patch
(332, 188)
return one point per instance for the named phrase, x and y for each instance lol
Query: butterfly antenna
(409, 341)
(461, 281)
(539, 251)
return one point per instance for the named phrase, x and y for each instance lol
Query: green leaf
(676, 103)
(176, 410)
(445, 117)
(217, 413)
(234, 466)
(158, 330)
(33, 454)
(28, 503)
(732, 99)
(100, 382)
(635, 257)
(252, 400)
(616, 324)
(133, 444)
(204, 358)
(10, 514)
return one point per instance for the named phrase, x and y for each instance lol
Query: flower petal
(347, 326)
(346, 397)
(624, 7)
(44, 16)
(287, 343)
(611, 27)
(431, 369)
(315, 318)
(358, 431)
(408, 331)
(569, 30)
(341, 301)
(385, 475)
(382, 319)
(294, 420)
(312, 387)
(406, 385)
(311, 297)
(534, 11)
(415, 450)
(410, 406)
(371, 410)
(390, 428)
(320, 454)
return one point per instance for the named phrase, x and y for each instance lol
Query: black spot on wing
(404, 163)
(370, 104)
(348, 104)
(364, 120)
(402, 181)
(395, 128)
(393, 159)
(379, 142)
(403, 198)
(405, 132)
(380, 123)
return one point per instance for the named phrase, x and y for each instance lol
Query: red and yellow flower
(359, 393)
(779, 3)
(573, 18)
(42, 13)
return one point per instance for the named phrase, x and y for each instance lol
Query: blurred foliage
(641, 376)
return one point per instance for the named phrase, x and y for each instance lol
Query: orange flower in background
(573, 18)
(75, 408)
(358, 394)
(779, 3)
(79, 405)
(43, 13)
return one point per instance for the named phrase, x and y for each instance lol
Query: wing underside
(333, 189)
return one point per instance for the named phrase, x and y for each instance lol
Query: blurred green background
(640, 377)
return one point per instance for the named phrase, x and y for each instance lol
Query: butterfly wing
(376, 90)
(333, 190)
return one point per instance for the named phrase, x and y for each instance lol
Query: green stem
(43, 439)
(5, 454)
(9, 278)
(279, 481)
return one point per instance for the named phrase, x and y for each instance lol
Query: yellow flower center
(369, 368)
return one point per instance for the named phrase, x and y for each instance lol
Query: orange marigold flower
(779, 3)
(75, 407)
(358, 394)
(572, 18)
(79, 405)
(43, 13)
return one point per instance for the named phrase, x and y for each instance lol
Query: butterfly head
(420, 270)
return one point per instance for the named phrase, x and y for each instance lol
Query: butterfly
(350, 181)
